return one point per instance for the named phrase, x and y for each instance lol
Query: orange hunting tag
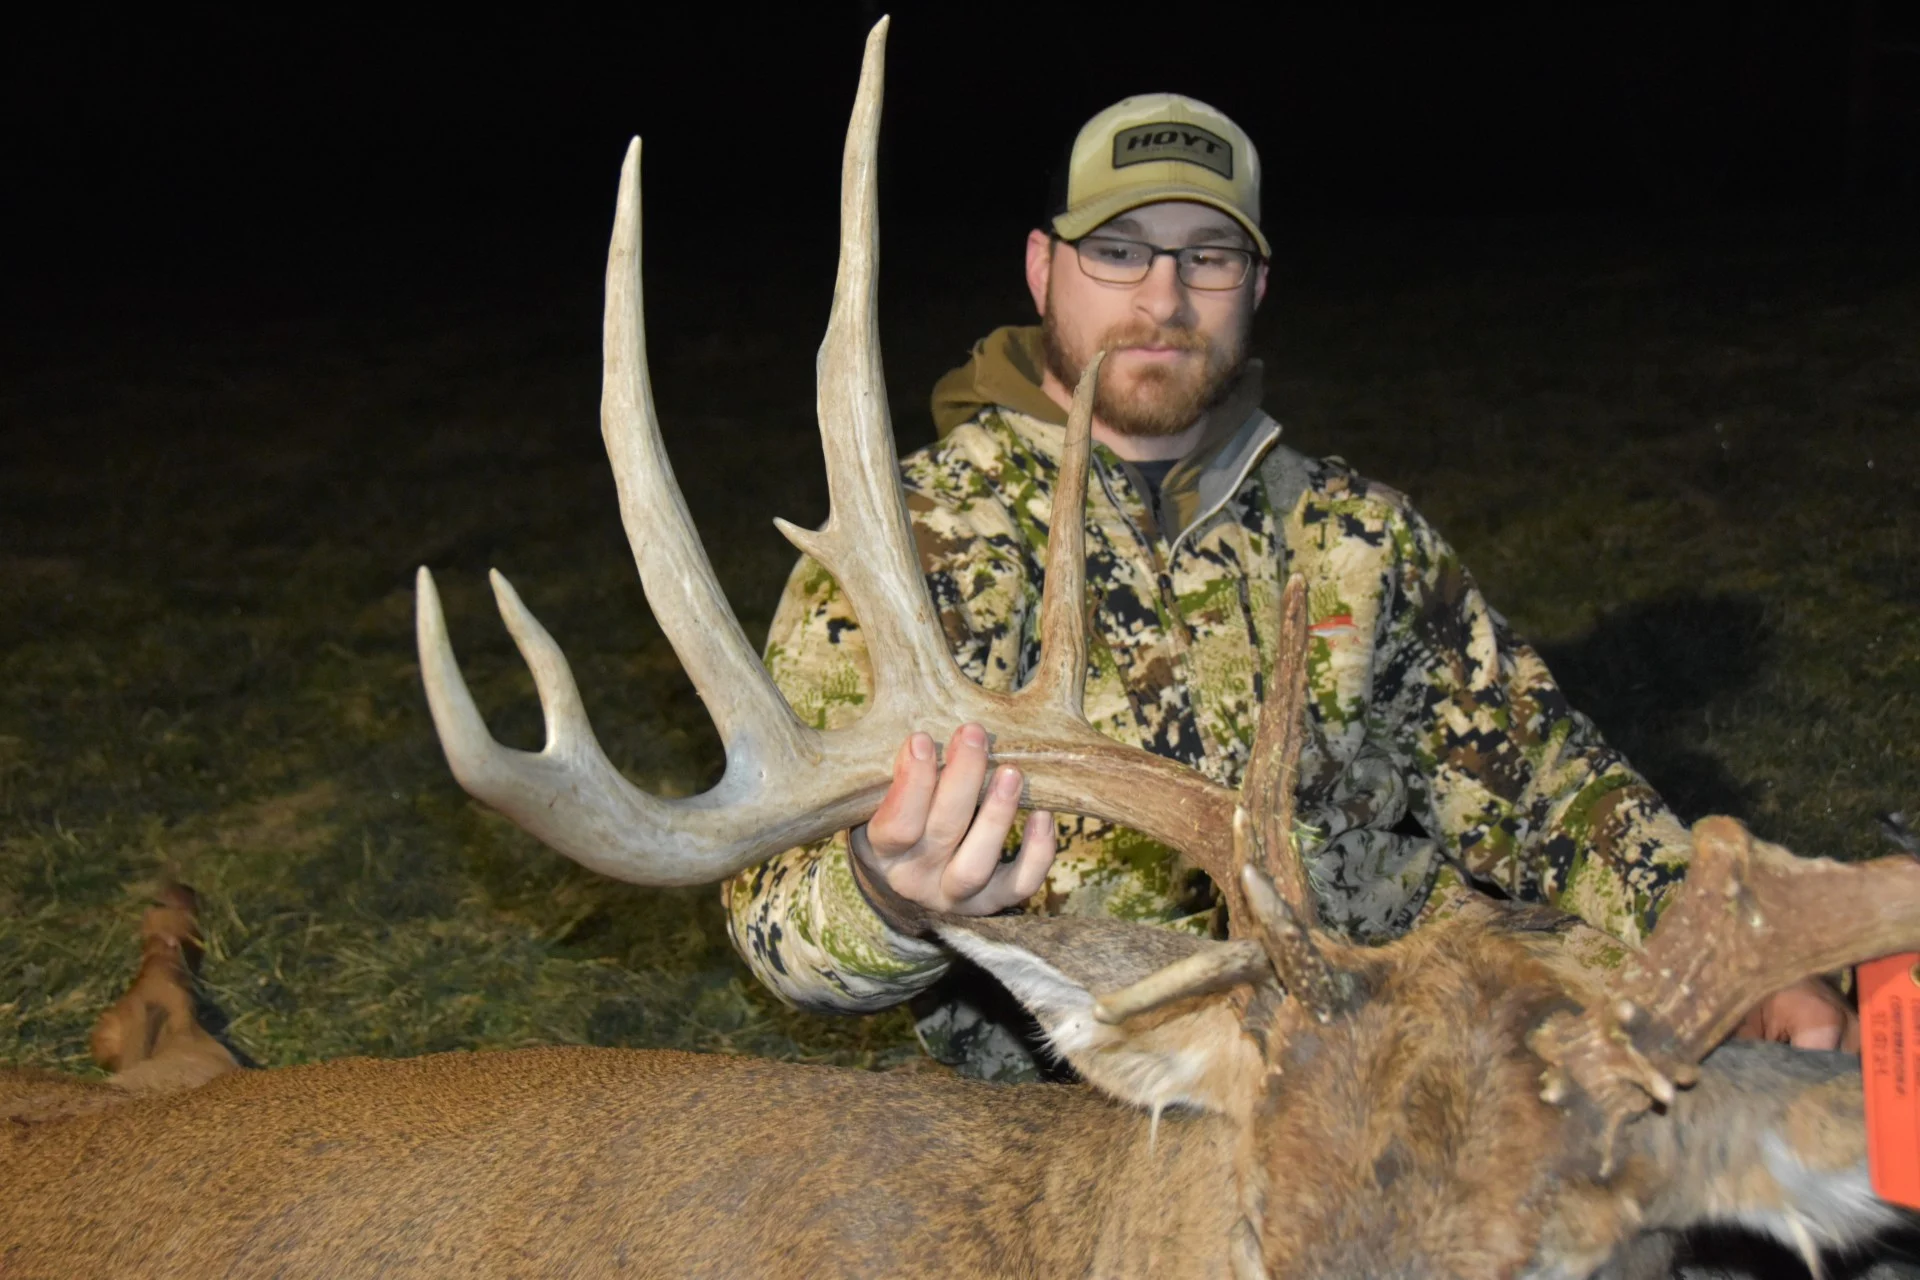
(1890, 1066)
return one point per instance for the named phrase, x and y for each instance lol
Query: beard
(1158, 400)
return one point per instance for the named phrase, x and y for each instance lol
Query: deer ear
(1189, 1053)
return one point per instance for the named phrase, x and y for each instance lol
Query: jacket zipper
(1163, 580)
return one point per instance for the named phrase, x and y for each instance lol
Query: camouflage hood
(1005, 370)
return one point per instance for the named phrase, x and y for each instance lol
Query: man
(1440, 753)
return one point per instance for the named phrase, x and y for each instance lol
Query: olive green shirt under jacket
(1439, 749)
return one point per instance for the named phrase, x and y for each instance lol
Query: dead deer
(1463, 1102)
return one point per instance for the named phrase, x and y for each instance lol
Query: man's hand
(936, 843)
(1807, 1015)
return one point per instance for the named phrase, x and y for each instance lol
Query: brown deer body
(1466, 1101)
(1407, 1140)
(607, 1162)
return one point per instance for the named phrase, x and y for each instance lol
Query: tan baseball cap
(1160, 146)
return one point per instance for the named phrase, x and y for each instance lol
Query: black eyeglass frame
(1181, 264)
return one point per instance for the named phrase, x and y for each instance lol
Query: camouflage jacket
(1439, 750)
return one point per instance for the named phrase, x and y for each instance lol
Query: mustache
(1142, 333)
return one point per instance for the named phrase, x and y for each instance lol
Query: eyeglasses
(1111, 260)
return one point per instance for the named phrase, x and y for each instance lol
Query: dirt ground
(1684, 458)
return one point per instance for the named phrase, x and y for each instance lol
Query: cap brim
(1083, 219)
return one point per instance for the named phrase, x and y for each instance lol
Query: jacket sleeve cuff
(907, 919)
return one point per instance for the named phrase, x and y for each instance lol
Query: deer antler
(786, 783)
(1750, 919)
(1273, 878)
(1273, 766)
(1276, 902)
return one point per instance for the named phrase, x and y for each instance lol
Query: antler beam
(786, 783)
(1750, 919)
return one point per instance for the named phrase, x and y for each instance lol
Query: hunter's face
(1175, 346)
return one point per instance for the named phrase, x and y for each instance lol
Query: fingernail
(921, 746)
(973, 735)
(1006, 784)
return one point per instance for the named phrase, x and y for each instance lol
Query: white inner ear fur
(1180, 1061)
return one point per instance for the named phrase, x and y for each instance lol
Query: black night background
(1627, 299)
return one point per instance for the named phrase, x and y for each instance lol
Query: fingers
(1820, 1037)
(950, 814)
(1814, 1016)
(1821, 1017)
(1807, 1015)
(1012, 883)
(977, 859)
(1029, 871)
(939, 842)
(901, 820)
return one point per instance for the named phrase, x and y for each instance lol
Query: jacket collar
(1208, 485)
(1004, 371)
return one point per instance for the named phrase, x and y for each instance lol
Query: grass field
(1685, 459)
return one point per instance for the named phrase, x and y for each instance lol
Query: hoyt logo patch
(1170, 141)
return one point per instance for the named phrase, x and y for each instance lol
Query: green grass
(1690, 472)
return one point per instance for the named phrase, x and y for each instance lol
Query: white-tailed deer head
(1466, 1105)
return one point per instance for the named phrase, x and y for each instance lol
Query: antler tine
(868, 545)
(1273, 766)
(678, 578)
(867, 542)
(1750, 919)
(569, 795)
(521, 784)
(1061, 680)
(463, 734)
(1214, 969)
(1277, 901)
